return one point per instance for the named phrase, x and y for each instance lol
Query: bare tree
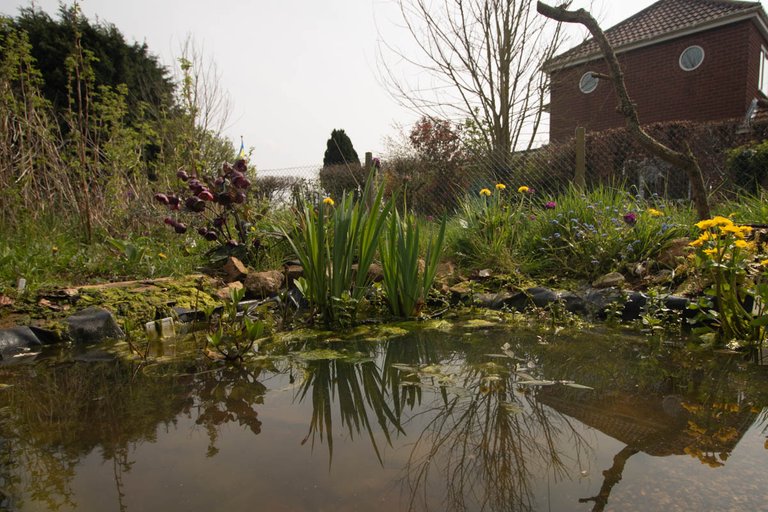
(685, 161)
(476, 60)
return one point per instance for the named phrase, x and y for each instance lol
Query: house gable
(722, 87)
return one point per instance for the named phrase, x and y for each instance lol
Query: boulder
(293, 272)
(492, 300)
(263, 284)
(16, 340)
(93, 325)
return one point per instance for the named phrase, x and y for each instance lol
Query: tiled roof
(662, 19)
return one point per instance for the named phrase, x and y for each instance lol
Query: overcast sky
(294, 69)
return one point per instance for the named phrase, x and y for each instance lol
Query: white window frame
(680, 59)
(762, 78)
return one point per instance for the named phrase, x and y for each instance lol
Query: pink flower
(550, 205)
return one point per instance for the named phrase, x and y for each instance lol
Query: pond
(471, 417)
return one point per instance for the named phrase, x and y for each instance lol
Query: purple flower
(550, 205)
(376, 163)
(630, 218)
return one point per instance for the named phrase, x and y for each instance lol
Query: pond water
(457, 418)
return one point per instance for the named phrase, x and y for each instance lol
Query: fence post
(580, 176)
(368, 160)
(368, 167)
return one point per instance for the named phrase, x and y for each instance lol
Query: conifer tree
(339, 150)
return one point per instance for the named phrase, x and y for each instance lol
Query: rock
(484, 273)
(461, 292)
(492, 300)
(597, 301)
(672, 254)
(263, 284)
(293, 272)
(611, 280)
(541, 296)
(224, 293)
(518, 301)
(234, 270)
(375, 273)
(186, 315)
(445, 269)
(47, 336)
(18, 340)
(634, 306)
(93, 325)
(573, 302)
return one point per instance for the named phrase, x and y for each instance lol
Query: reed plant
(336, 244)
(408, 278)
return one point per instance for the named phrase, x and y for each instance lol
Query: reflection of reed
(359, 388)
(484, 446)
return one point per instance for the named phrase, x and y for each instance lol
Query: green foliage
(233, 334)
(115, 61)
(330, 238)
(339, 150)
(408, 278)
(749, 166)
(337, 180)
(589, 234)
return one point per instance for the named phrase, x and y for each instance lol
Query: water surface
(450, 419)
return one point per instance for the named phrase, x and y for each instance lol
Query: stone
(518, 301)
(611, 280)
(484, 273)
(16, 340)
(461, 292)
(234, 270)
(598, 300)
(93, 325)
(542, 297)
(224, 293)
(674, 252)
(445, 269)
(375, 273)
(492, 300)
(573, 302)
(263, 284)
(634, 306)
(293, 272)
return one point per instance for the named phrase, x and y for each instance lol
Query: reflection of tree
(54, 415)
(485, 446)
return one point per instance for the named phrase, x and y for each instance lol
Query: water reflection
(456, 414)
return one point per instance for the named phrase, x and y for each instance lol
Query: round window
(691, 58)
(588, 82)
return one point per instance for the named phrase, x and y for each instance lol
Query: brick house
(683, 60)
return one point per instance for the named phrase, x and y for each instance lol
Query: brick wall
(720, 88)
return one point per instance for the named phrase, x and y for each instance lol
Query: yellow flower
(523, 189)
(743, 244)
(500, 186)
(737, 231)
(710, 252)
(328, 201)
(764, 263)
(714, 221)
(162, 255)
(653, 212)
(705, 237)
(485, 192)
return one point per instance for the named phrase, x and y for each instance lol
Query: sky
(293, 69)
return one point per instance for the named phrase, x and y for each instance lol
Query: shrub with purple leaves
(217, 206)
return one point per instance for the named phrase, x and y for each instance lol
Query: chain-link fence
(612, 158)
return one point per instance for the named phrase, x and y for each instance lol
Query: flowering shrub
(739, 286)
(217, 206)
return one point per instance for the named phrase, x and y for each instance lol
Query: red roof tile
(662, 19)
